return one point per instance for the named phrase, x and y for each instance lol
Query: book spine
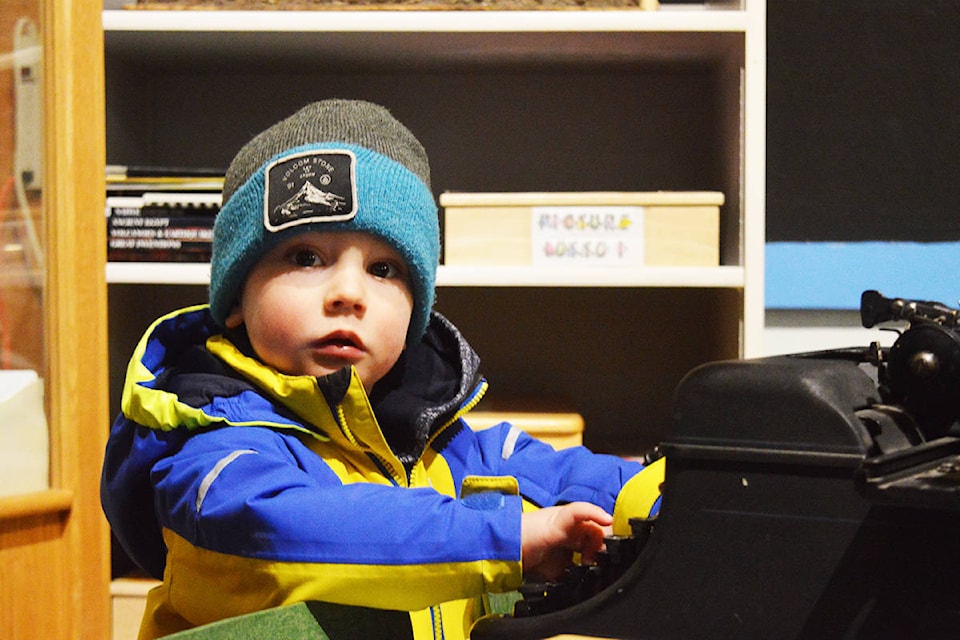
(158, 250)
(129, 211)
(139, 230)
(186, 227)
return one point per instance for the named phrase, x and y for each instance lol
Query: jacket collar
(435, 382)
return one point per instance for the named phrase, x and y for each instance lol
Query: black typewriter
(815, 495)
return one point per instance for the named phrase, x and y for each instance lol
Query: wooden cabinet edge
(36, 504)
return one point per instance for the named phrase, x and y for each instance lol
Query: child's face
(322, 301)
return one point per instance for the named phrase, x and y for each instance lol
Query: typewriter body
(814, 495)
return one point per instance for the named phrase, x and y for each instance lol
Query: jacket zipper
(479, 391)
(384, 466)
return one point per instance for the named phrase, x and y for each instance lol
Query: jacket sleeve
(548, 477)
(126, 494)
(272, 511)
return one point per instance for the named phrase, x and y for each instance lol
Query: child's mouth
(341, 345)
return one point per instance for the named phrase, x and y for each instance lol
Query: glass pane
(24, 439)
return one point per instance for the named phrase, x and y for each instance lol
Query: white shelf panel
(724, 277)
(132, 587)
(715, 19)
(158, 273)
(705, 277)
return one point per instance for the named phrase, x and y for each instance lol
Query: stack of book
(155, 215)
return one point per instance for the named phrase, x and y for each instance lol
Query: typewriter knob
(924, 365)
(923, 374)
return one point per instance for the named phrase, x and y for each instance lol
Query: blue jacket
(244, 488)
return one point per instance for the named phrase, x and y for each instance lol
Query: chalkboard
(863, 120)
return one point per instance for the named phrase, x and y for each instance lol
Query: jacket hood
(185, 370)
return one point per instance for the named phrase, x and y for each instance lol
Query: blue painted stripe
(832, 275)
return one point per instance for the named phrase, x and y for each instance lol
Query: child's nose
(345, 291)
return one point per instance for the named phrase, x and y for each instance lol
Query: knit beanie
(335, 165)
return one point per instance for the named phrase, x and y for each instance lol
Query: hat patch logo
(310, 187)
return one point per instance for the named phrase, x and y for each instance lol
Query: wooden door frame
(54, 545)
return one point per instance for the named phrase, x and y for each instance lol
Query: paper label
(587, 235)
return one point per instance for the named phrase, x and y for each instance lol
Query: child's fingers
(585, 511)
(586, 535)
(552, 535)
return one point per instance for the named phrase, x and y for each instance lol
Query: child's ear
(235, 317)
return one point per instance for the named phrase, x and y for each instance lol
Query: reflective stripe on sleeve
(510, 442)
(215, 472)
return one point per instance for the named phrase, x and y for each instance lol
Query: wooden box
(586, 228)
(550, 420)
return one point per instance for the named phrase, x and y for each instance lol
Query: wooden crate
(667, 228)
(550, 420)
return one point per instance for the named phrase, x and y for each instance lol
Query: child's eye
(306, 258)
(386, 270)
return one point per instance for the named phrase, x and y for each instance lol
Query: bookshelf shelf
(714, 18)
(215, 40)
(158, 273)
(721, 277)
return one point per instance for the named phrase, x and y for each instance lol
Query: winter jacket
(245, 489)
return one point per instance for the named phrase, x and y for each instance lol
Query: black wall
(863, 120)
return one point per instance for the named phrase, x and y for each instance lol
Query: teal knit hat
(335, 165)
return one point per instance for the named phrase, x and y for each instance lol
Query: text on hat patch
(308, 187)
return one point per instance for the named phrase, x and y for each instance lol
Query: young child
(304, 436)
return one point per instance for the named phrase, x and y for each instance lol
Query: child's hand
(550, 536)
